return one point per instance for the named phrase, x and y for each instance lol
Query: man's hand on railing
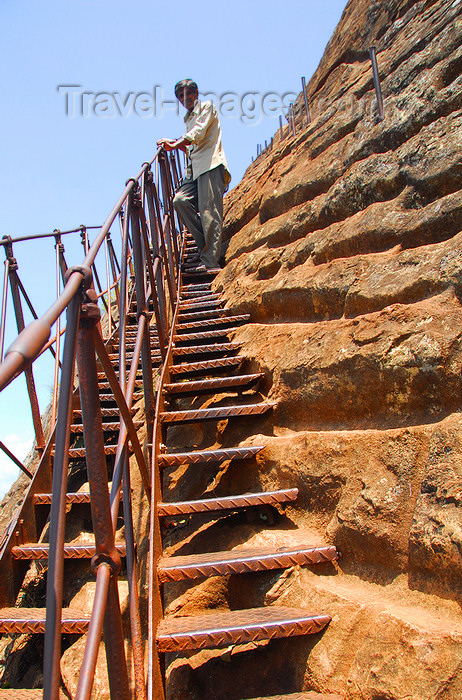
(172, 144)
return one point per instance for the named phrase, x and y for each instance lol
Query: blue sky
(60, 171)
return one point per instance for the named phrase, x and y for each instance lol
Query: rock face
(345, 246)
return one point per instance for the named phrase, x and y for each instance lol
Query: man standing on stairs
(199, 199)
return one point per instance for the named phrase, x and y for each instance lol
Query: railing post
(14, 286)
(168, 204)
(378, 88)
(59, 248)
(305, 98)
(106, 557)
(154, 226)
(141, 308)
(4, 305)
(52, 653)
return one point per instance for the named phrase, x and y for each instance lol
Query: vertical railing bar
(52, 652)
(132, 577)
(154, 227)
(305, 98)
(377, 85)
(123, 295)
(113, 261)
(167, 192)
(108, 281)
(95, 629)
(152, 279)
(106, 552)
(14, 286)
(54, 401)
(141, 307)
(4, 305)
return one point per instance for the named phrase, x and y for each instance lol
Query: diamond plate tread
(78, 497)
(207, 365)
(206, 349)
(197, 294)
(210, 323)
(25, 694)
(204, 287)
(211, 301)
(310, 695)
(71, 551)
(208, 456)
(241, 561)
(236, 627)
(105, 413)
(212, 385)
(114, 357)
(204, 335)
(156, 358)
(197, 305)
(185, 316)
(105, 398)
(216, 413)
(106, 385)
(32, 620)
(79, 452)
(210, 274)
(228, 502)
(102, 375)
(107, 427)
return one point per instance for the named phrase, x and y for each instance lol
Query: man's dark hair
(186, 83)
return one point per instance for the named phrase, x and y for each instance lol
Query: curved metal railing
(148, 271)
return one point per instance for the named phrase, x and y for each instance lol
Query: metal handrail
(151, 253)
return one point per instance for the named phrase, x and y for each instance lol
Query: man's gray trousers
(199, 204)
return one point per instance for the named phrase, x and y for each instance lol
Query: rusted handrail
(149, 266)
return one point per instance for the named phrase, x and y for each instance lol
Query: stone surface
(344, 245)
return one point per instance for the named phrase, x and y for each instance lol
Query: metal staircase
(173, 326)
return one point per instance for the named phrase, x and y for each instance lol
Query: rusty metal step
(213, 323)
(245, 500)
(208, 456)
(236, 382)
(25, 694)
(102, 375)
(241, 561)
(105, 413)
(203, 287)
(194, 294)
(71, 551)
(205, 274)
(79, 452)
(107, 427)
(186, 316)
(206, 349)
(203, 335)
(236, 627)
(207, 366)
(114, 357)
(106, 385)
(221, 413)
(72, 498)
(105, 398)
(202, 302)
(32, 621)
(201, 305)
(78, 497)
(309, 695)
